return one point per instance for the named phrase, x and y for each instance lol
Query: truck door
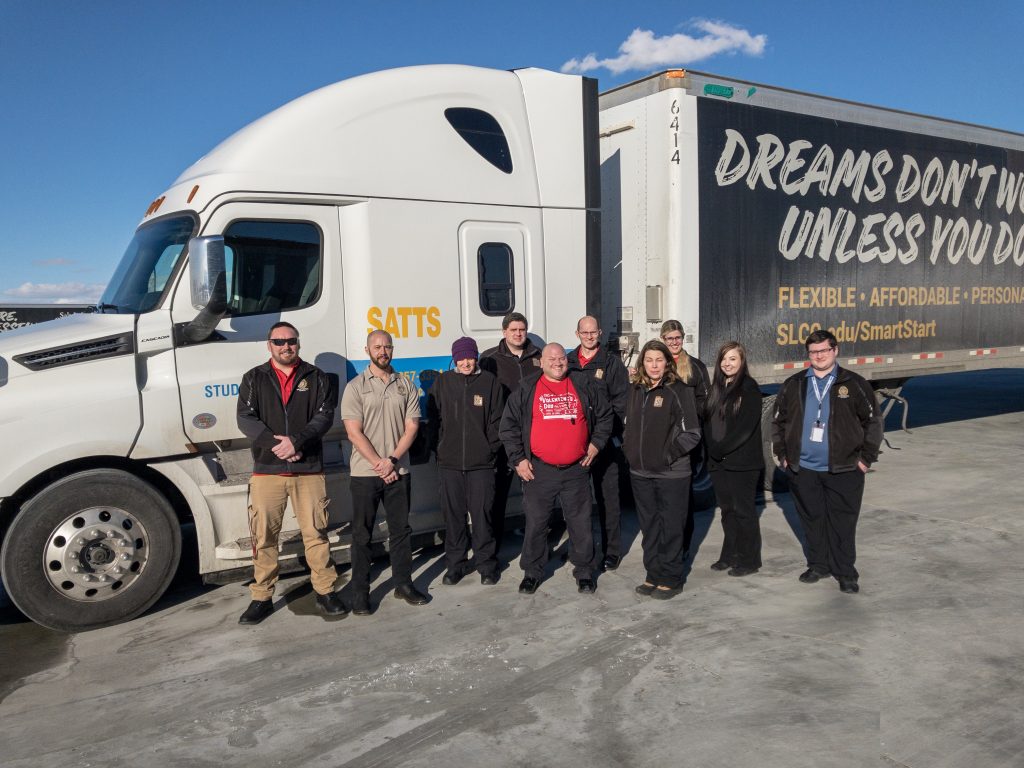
(280, 261)
(492, 271)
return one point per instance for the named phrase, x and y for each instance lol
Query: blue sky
(103, 104)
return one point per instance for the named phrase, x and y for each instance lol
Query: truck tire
(774, 478)
(95, 548)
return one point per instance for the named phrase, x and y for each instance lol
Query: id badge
(817, 433)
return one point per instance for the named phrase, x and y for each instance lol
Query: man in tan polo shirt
(381, 411)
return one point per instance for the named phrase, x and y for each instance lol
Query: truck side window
(497, 286)
(273, 266)
(481, 131)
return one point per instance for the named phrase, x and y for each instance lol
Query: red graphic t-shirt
(559, 432)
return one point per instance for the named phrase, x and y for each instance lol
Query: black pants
(736, 493)
(571, 488)
(367, 493)
(469, 492)
(829, 505)
(661, 505)
(503, 477)
(604, 471)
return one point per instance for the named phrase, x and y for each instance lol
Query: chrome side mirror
(207, 270)
(208, 277)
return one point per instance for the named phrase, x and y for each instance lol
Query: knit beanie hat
(464, 348)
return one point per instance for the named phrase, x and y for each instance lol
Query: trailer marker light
(676, 73)
(712, 89)
(192, 193)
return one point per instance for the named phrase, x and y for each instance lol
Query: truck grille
(108, 346)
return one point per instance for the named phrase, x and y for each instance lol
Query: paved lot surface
(923, 669)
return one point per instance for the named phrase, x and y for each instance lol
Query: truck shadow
(951, 397)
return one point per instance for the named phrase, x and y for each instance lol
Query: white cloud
(643, 50)
(56, 293)
(58, 262)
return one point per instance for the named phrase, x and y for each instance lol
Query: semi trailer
(430, 201)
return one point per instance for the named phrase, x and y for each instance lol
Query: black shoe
(850, 586)
(361, 604)
(257, 611)
(610, 562)
(720, 565)
(451, 579)
(488, 579)
(586, 586)
(666, 594)
(739, 570)
(411, 595)
(331, 605)
(528, 585)
(644, 589)
(811, 576)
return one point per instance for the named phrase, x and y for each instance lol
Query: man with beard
(381, 411)
(285, 407)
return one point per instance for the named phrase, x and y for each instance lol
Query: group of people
(567, 424)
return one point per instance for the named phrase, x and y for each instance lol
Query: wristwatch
(393, 460)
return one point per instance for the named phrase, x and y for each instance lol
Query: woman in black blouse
(732, 433)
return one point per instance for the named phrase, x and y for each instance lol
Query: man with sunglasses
(285, 407)
(826, 433)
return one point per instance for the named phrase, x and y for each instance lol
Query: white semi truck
(430, 201)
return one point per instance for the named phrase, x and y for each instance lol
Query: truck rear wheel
(774, 477)
(96, 548)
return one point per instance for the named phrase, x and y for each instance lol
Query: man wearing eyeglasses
(381, 411)
(826, 433)
(285, 407)
(609, 372)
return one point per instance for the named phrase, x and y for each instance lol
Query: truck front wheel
(95, 548)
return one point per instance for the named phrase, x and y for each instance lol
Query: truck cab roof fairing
(385, 135)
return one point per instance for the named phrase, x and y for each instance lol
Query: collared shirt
(286, 380)
(814, 455)
(383, 408)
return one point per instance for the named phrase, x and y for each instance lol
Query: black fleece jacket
(855, 423)
(610, 372)
(508, 368)
(517, 420)
(661, 429)
(733, 440)
(464, 414)
(306, 418)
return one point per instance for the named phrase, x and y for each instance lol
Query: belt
(560, 466)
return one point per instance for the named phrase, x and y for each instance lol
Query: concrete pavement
(922, 669)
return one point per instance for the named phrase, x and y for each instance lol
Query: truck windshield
(148, 263)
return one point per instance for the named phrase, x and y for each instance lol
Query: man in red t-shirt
(553, 427)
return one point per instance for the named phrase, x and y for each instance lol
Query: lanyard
(822, 393)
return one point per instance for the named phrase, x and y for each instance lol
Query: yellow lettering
(433, 322)
(373, 318)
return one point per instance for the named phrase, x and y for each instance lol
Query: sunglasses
(293, 341)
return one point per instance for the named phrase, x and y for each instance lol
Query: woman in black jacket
(661, 430)
(464, 409)
(732, 433)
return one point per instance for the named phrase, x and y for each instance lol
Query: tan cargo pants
(268, 497)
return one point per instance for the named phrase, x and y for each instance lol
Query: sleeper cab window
(272, 266)
(497, 281)
(481, 131)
